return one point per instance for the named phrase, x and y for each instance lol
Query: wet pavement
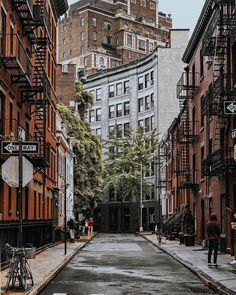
(124, 264)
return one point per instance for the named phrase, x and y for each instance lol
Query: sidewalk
(222, 279)
(46, 265)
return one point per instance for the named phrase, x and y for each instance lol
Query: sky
(184, 13)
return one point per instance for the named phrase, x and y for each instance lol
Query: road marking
(59, 294)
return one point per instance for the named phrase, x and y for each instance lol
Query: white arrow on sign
(11, 148)
(231, 107)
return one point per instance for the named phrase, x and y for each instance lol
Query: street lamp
(141, 196)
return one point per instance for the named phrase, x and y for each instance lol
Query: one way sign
(12, 147)
(230, 107)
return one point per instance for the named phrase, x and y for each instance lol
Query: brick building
(201, 160)
(28, 41)
(101, 34)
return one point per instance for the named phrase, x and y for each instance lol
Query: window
(152, 77)
(140, 83)
(81, 36)
(119, 110)
(152, 6)
(111, 91)
(94, 36)
(126, 128)
(126, 87)
(99, 131)
(147, 124)
(64, 41)
(107, 40)
(141, 44)
(64, 54)
(101, 61)
(129, 40)
(140, 123)
(126, 108)
(119, 131)
(107, 26)
(147, 103)
(11, 116)
(152, 123)
(82, 50)
(94, 20)
(118, 89)
(98, 114)
(152, 100)
(202, 115)
(70, 52)
(140, 105)
(201, 64)
(146, 80)
(147, 34)
(82, 21)
(143, 3)
(91, 116)
(111, 111)
(98, 94)
(151, 46)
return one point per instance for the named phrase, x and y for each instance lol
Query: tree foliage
(88, 167)
(84, 99)
(124, 158)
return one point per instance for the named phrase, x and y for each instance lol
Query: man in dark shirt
(213, 232)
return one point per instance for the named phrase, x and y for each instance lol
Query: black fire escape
(187, 132)
(34, 18)
(219, 158)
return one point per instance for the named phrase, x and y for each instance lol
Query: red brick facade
(201, 167)
(28, 99)
(101, 34)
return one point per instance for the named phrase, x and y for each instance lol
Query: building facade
(130, 96)
(100, 34)
(27, 91)
(202, 140)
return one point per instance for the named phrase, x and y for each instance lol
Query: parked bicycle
(19, 271)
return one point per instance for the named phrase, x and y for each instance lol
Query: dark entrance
(113, 219)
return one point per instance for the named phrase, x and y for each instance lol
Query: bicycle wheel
(23, 275)
(29, 273)
(10, 274)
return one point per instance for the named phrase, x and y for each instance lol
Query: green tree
(123, 159)
(84, 99)
(88, 167)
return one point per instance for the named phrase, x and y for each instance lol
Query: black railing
(188, 85)
(187, 131)
(14, 56)
(189, 180)
(219, 162)
(23, 6)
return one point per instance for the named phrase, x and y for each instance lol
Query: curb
(43, 284)
(208, 281)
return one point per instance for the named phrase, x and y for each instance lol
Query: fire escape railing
(188, 131)
(15, 59)
(219, 162)
(187, 85)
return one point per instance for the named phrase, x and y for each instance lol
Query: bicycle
(19, 269)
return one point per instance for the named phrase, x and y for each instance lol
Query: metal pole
(159, 192)
(141, 200)
(20, 231)
(65, 217)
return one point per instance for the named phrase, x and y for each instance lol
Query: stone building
(101, 34)
(141, 93)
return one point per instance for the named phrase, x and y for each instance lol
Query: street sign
(230, 107)
(10, 171)
(12, 147)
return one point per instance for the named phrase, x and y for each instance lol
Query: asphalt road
(124, 264)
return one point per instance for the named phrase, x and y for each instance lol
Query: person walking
(71, 224)
(90, 226)
(213, 233)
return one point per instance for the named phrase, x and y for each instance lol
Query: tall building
(101, 34)
(141, 93)
(201, 166)
(27, 97)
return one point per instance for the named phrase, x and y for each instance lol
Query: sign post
(20, 194)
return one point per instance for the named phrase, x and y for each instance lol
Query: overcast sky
(185, 13)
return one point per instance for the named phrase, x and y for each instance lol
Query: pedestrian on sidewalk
(213, 233)
(90, 226)
(71, 224)
(83, 226)
(188, 221)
